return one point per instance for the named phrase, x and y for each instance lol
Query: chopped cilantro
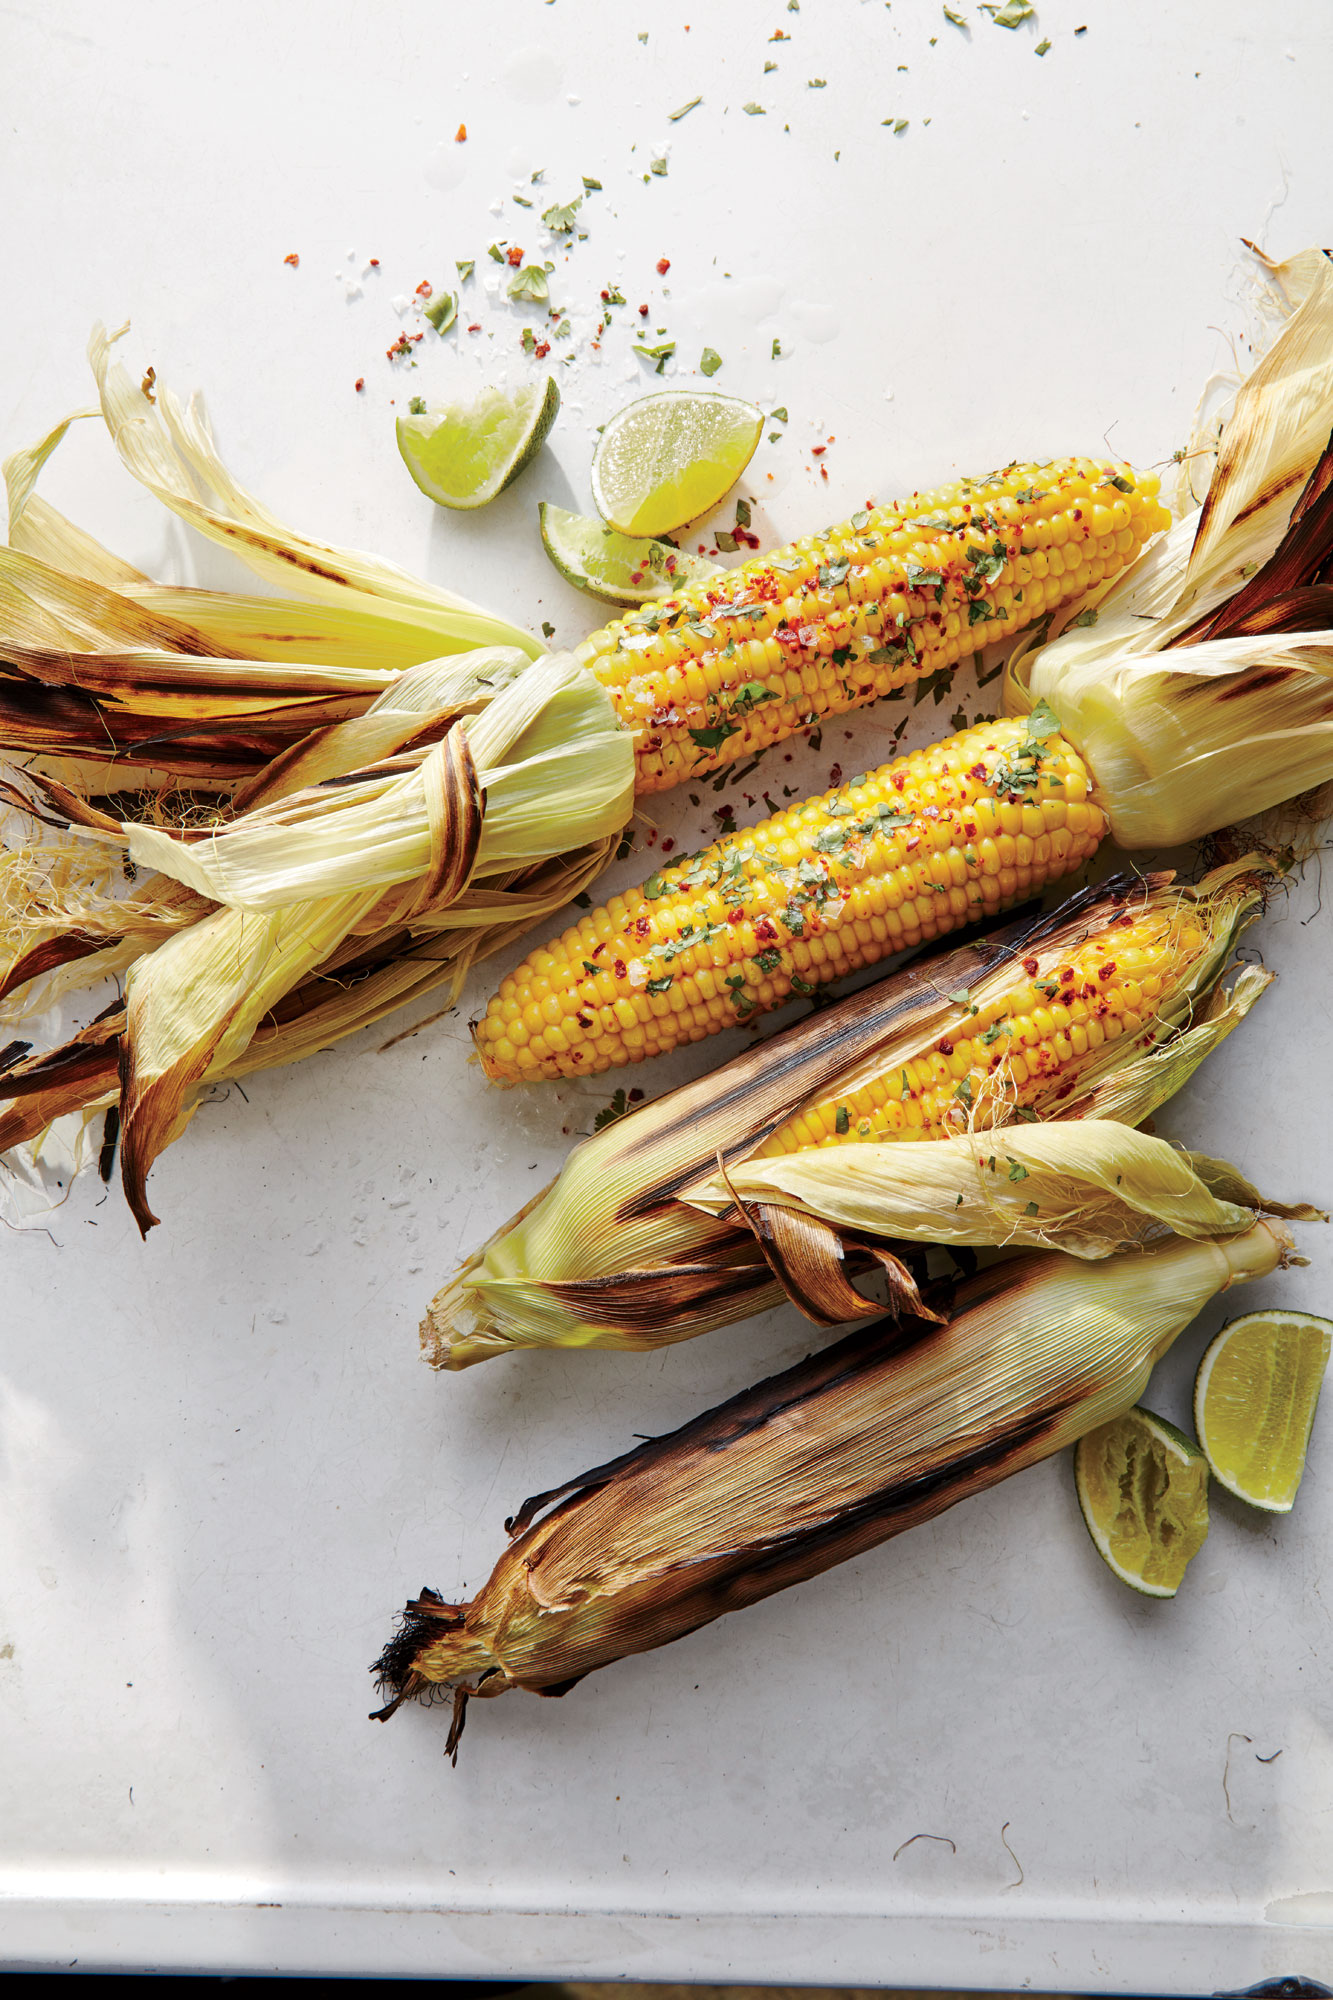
(768, 961)
(1041, 48)
(959, 20)
(817, 83)
(661, 985)
(617, 1108)
(548, 630)
(963, 1089)
(713, 739)
(725, 541)
(658, 354)
(442, 312)
(768, 66)
(841, 1121)
(749, 696)
(613, 296)
(417, 406)
(709, 361)
(465, 266)
(1085, 618)
(522, 201)
(684, 109)
(778, 416)
(1031, 1209)
(494, 252)
(560, 218)
(1016, 1172)
(753, 110)
(659, 167)
(1042, 722)
(530, 283)
(1012, 14)
(743, 513)
(592, 186)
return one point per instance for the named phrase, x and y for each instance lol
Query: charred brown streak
(636, 1298)
(720, 1428)
(1282, 594)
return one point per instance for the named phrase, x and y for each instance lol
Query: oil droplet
(816, 322)
(446, 166)
(533, 75)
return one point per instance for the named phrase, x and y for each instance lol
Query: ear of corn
(890, 860)
(837, 620)
(875, 1435)
(1098, 1011)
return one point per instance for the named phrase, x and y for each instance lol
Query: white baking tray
(224, 1468)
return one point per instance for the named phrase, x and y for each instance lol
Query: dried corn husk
(876, 1434)
(1202, 691)
(647, 1235)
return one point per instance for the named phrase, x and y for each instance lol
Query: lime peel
(1143, 1488)
(1255, 1397)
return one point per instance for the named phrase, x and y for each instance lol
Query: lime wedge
(1143, 1488)
(461, 455)
(1254, 1403)
(620, 568)
(667, 459)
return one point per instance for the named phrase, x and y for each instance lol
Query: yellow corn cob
(1012, 1051)
(837, 620)
(888, 861)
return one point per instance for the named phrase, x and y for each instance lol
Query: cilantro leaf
(709, 361)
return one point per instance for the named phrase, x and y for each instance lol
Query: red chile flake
(360, 383)
(374, 263)
(1105, 971)
(513, 255)
(460, 135)
(292, 259)
(1030, 967)
(424, 289)
(619, 968)
(542, 349)
(476, 328)
(663, 266)
(818, 450)
(945, 1047)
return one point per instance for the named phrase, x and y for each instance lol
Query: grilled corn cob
(837, 620)
(675, 1219)
(874, 1435)
(893, 859)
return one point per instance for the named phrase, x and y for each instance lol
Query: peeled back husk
(620, 1252)
(1199, 691)
(875, 1435)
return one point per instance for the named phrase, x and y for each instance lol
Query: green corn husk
(1200, 691)
(875, 1435)
(670, 1222)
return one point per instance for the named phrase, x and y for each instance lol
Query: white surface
(224, 1467)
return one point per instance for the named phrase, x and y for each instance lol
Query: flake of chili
(1030, 967)
(374, 263)
(818, 450)
(643, 312)
(476, 328)
(292, 259)
(360, 383)
(542, 349)
(823, 472)
(765, 930)
(424, 289)
(619, 968)
(460, 135)
(1105, 971)
(663, 266)
(513, 255)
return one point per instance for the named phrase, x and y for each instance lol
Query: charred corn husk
(893, 859)
(676, 1218)
(837, 620)
(874, 1435)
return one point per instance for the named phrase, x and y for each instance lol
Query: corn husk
(478, 770)
(1202, 691)
(104, 666)
(646, 1237)
(877, 1434)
